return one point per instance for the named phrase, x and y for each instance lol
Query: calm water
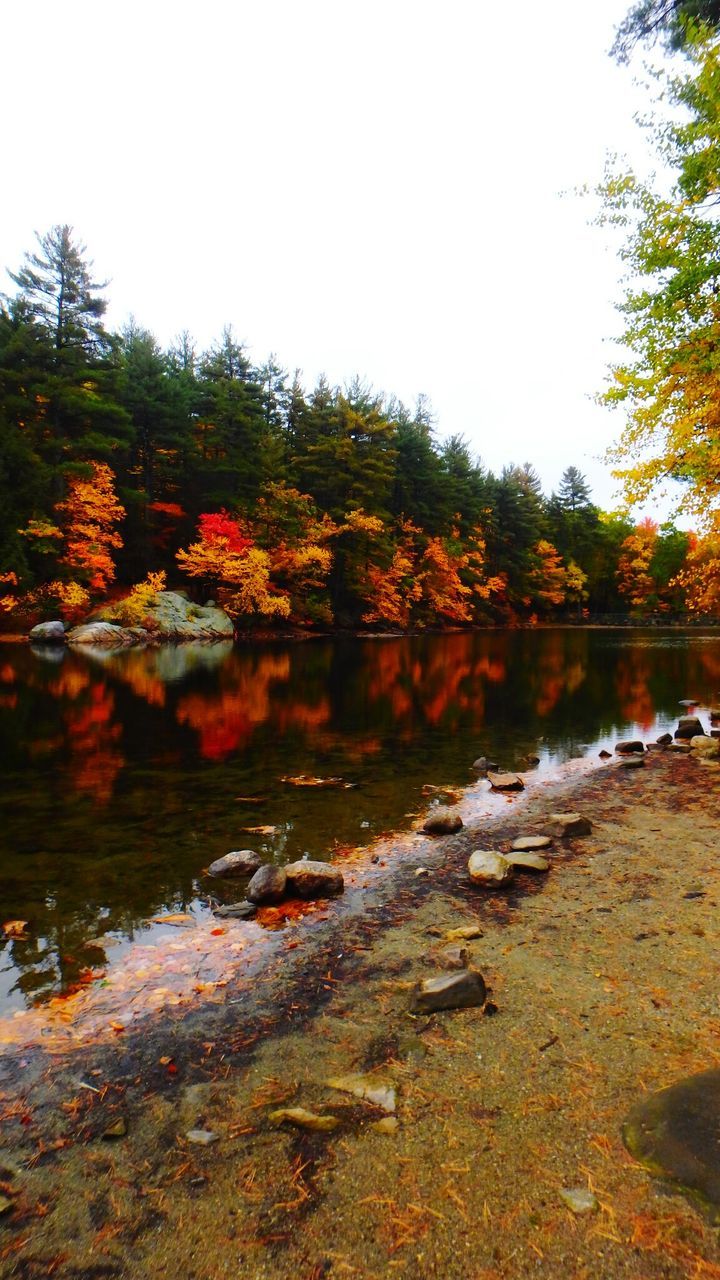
(124, 775)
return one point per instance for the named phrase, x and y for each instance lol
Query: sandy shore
(604, 974)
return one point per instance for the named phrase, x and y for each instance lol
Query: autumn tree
(226, 560)
(548, 577)
(635, 582)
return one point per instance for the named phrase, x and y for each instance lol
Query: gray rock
(241, 862)
(527, 844)
(626, 748)
(106, 635)
(528, 861)
(569, 825)
(177, 618)
(48, 633)
(443, 822)
(631, 762)
(267, 885)
(506, 782)
(236, 911)
(483, 765)
(462, 990)
(489, 869)
(308, 879)
(664, 740)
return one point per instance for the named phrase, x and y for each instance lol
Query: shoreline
(603, 973)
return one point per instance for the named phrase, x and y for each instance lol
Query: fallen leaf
(15, 928)
(260, 831)
(303, 1119)
(181, 919)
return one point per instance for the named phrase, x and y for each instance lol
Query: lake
(125, 774)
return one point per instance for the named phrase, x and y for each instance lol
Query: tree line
(125, 467)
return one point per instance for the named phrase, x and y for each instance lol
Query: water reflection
(126, 773)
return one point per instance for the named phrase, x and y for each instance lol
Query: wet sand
(604, 975)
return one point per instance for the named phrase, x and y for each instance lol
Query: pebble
(451, 958)
(388, 1125)
(303, 1119)
(237, 911)
(370, 1088)
(5, 1205)
(450, 991)
(464, 933)
(202, 1137)
(117, 1129)
(528, 861)
(567, 825)
(579, 1199)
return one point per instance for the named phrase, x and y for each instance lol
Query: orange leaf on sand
(181, 919)
(215, 932)
(15, 928)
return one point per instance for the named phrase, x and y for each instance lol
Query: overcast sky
(369, 188)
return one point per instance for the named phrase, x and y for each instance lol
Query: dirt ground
(603, 986)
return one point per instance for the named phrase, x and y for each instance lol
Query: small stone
(388, 1125)
(202, 1137)
(532, 759)
(526, 844)
(444, 822)
(309, 879)
(236, 911)
(267, 885)
(241, 862)
(605, 755)
(483, 765)
(463, 990)
(528, 861)
(568, 825)
(626, 748)
(664, 740)
(381, 1093)
(579, 1199)
(683, 748)
(464, 933)
(5, 1205)
(455, 957)
(489, 869)
(631, 762)
(117, 1129)
(303, 1119)
(654, 746)
(506, 782)
(422, 871)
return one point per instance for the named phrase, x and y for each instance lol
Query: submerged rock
(303, 1119)
(674, 1134)
(310, 879)
(489, 869)
(370, 1088)
(267, 885)
(48, 633)
(241, 862)
(506, 782)
(444, 822)
(463, 990)
(236, 911)
(483, 765)
(579, 1199)
(569, 825)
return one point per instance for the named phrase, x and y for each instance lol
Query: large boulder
(308, 879)
(175, 618)
(48, 633)
(705, 746)
(106, 635)
(689, 727)
(267, 885)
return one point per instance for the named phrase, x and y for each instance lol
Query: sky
(384, 189)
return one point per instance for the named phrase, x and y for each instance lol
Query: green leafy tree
(673, 22)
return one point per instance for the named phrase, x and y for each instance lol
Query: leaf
(15, 928)
(260, 831)
(179, 919)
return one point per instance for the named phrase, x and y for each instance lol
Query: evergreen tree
(60, 293)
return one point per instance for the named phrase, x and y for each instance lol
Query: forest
(126, 468)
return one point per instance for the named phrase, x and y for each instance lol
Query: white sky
(361, 187)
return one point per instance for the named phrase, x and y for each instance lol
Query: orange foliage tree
(548, 578)
(634, 579)
(289, 526)
(226, 559)
(393, 590)
(445, 595)
(699, 577)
